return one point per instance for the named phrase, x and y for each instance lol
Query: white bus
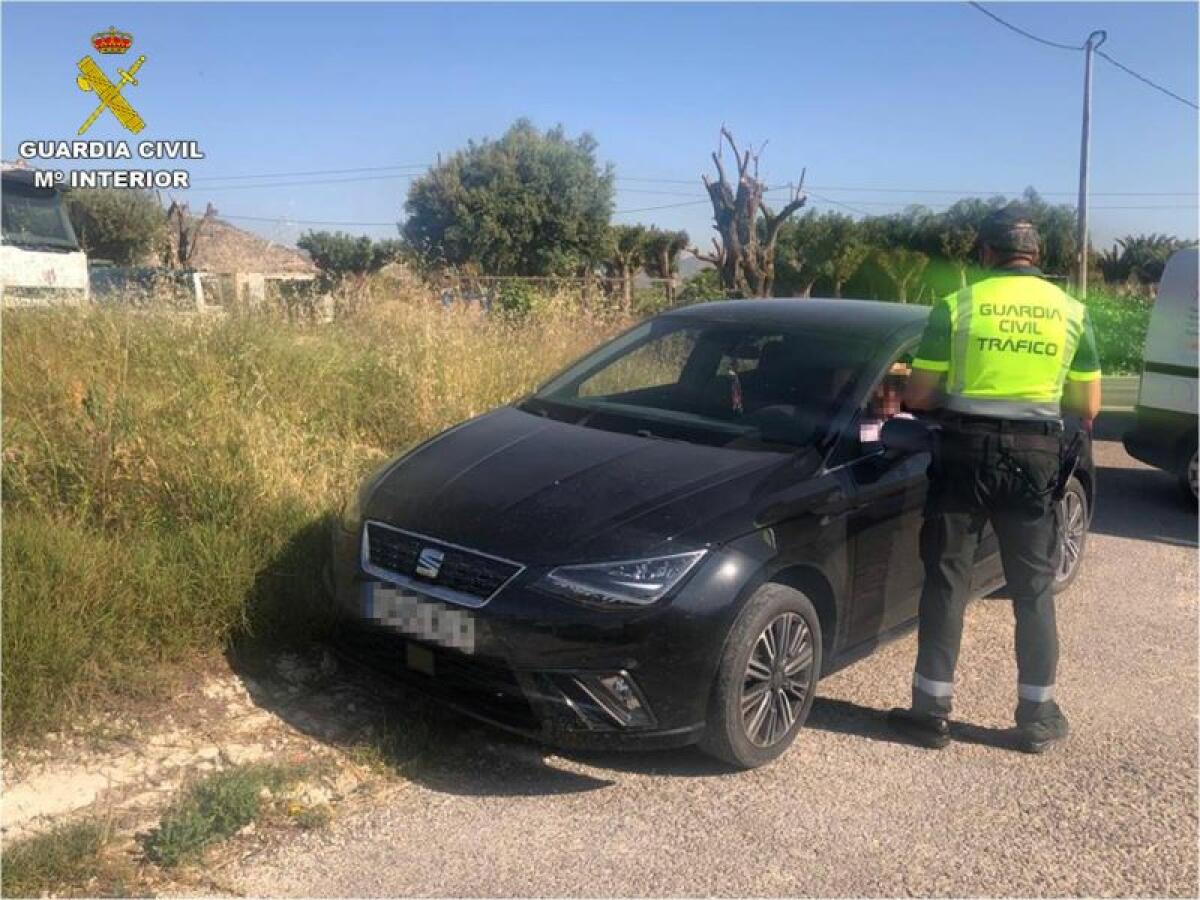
(1165, 433)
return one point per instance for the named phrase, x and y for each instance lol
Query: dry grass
(168, 481)
(68, 861)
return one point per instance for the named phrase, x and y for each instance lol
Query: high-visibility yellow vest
(1010, 345)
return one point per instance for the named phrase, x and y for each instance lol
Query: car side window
(863, 435)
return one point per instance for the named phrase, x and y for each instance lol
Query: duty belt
(955, 422)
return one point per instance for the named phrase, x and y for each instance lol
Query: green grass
(1120, 325)
(169, 482)
(60, 861)
(213, 809)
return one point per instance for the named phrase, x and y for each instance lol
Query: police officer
(997, 364)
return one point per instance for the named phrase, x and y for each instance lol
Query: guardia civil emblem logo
(92, 78)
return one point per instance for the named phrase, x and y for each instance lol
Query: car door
(883, 527)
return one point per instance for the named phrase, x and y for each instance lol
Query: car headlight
(637, 582)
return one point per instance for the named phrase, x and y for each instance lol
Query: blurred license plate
(419, 617)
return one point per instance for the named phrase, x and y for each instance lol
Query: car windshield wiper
(647, 433)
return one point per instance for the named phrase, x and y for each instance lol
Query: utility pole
(1095, 39)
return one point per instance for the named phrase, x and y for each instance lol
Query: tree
(843, 249)
(184, 232)
(802, 246)
(530, 203)
(661, 256)
(903, 267)
(1140, 257)
(623, 257)
(340, 256)
(958, 232)
(748, 230)
(125, 226)
(1057, 227)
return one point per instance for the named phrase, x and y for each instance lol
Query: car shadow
(1144, 505)
(383, 723)
(1140, 503)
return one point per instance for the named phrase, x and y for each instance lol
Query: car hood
(544, 492)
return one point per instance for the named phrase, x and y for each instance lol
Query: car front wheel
(767, 679)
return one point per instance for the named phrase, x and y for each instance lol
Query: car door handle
(836, 505)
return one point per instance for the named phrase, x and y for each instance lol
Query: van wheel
(1073, 532)
(767, 679)
(1187, 476)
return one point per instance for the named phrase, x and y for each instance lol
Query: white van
(1165, 434)
(40, 259)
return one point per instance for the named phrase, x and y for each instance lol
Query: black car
(668, 543)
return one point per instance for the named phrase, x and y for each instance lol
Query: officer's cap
(1010, 229)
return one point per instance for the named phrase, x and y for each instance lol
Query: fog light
(615, 699)
(622, 691)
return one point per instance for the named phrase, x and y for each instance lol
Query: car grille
(462, 571)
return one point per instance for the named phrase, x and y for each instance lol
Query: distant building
(233, 265)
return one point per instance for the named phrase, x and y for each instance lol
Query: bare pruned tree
(744, 249)
(184, 232)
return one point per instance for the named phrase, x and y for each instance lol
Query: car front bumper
(540, 663)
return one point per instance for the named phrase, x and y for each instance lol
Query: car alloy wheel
(1073, 522)
(777, 679)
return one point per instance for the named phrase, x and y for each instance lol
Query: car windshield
(34, 217)
(719, 383)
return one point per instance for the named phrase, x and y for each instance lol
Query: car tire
(1187, 476)
(750, 739)
(1074, 519)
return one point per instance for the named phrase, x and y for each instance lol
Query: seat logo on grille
(429, 562)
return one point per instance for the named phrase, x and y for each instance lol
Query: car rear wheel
(767, 678)
(1187, 476)
(1073, 531)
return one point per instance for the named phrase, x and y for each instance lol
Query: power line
(979, 193)
(853, 209)
(313, 172)
(645, 180)
(246, 187)
(1145, 80)
(1124, 68)
(1022, 31)
(625, 212)
(287, 220)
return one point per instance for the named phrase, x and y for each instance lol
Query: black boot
(924, 729)
(1038, 737)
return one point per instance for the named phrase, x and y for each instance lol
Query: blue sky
(868, 97)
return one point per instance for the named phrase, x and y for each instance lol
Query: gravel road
(847, 811)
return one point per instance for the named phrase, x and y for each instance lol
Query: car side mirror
(904, 436)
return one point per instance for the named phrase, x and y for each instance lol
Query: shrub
(213, 809)
(1120, 325)
(516, 298)
(704, 285)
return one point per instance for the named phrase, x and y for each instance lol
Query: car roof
(870, 318)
